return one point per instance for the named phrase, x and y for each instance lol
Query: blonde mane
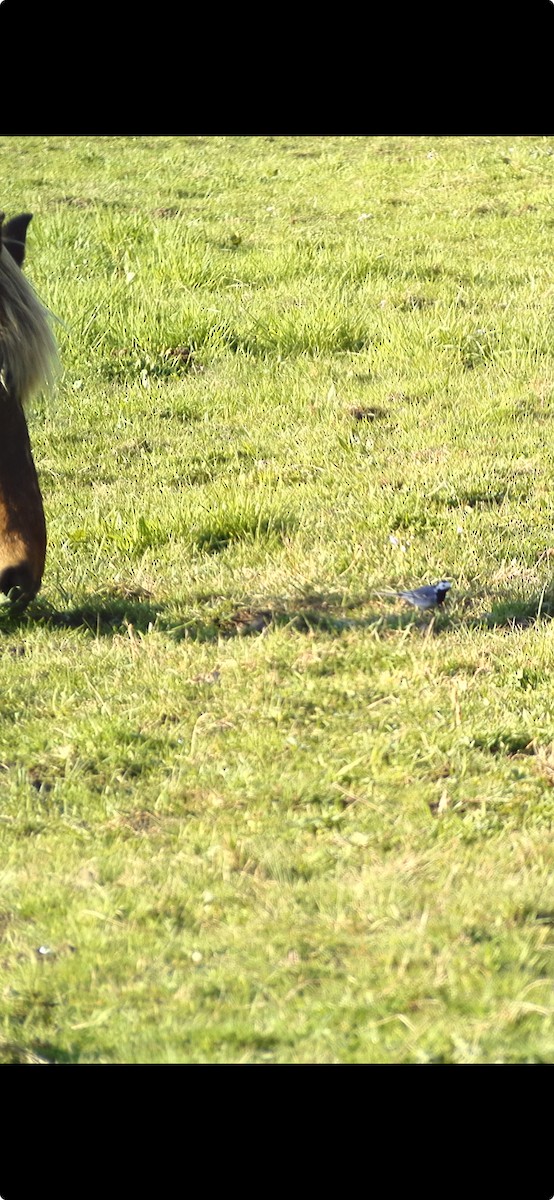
(28, 354)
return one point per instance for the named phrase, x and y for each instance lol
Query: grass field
(252, 809)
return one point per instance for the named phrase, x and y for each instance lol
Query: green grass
(251, 809)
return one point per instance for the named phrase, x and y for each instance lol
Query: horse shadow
(106, 615)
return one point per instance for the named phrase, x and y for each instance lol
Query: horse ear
(13, 235)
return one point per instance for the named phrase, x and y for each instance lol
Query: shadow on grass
(106, 615)
(508, 611)
(519, 613)
(36, 1052)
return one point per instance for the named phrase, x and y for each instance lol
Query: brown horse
(27, 361)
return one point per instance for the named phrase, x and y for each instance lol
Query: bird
(428, 596)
